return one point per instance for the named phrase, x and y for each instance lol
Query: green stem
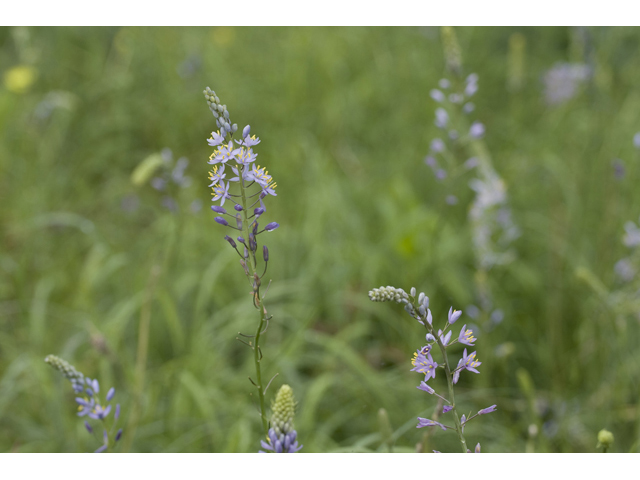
(257, 355)
(449, 376)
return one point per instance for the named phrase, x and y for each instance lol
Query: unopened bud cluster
(70, 373)
(223, 122)
(388, 294)
(282, 437)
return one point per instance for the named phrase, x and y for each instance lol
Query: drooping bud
(271, 226)
(221, 221)
(237, 207)
(230, 240)
(258, 211)
(218, 209)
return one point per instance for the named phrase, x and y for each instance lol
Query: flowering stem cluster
(418, 307)
(90, 404)
(254, 184)
(281, 437)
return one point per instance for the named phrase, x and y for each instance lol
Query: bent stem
(449, 376)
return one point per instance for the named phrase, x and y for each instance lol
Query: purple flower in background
(110, 394)
(476, 130)
(636, 140)
(442, 118)
(437, 145)
(466, 336)
(562, 80)
(437, 95)
(447, 408)
(425, 422)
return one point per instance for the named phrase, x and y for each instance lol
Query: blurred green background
(345, 119)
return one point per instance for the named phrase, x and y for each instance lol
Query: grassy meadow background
(345, 119)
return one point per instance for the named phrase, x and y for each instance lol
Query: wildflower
(632, 234)
(425, 422)
(426, 388)
(442, 118)
(437, 95)
(216, 139)
(476, 130)
(469, 362)
(281, 437)
(221, 192)
(225, 153)
(454, 315)
(447, 408)
(636, 140)
(86, 406)
(99, 412)
(562, 80)
(490, 409)
(437, 145)
(259, 175)
(424, 364)
(216, 175)
(466, 336)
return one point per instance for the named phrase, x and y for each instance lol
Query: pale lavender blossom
(476, 130)
(425, 422)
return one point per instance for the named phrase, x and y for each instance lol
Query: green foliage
(345, 119)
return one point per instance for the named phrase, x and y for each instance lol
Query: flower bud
(246, 131)
(230, 240)
(258, 211)
(117, 414)
(88, 427)
(271, 226)
(413, 291)
(265, 253)
(234, 127)
(255, 228)
(237, 207)
(221, 221)
(118, 435)
(239, 221)
(240, 239)
(605, 438)
(218, 209)
(421, 298)
(110, 394)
